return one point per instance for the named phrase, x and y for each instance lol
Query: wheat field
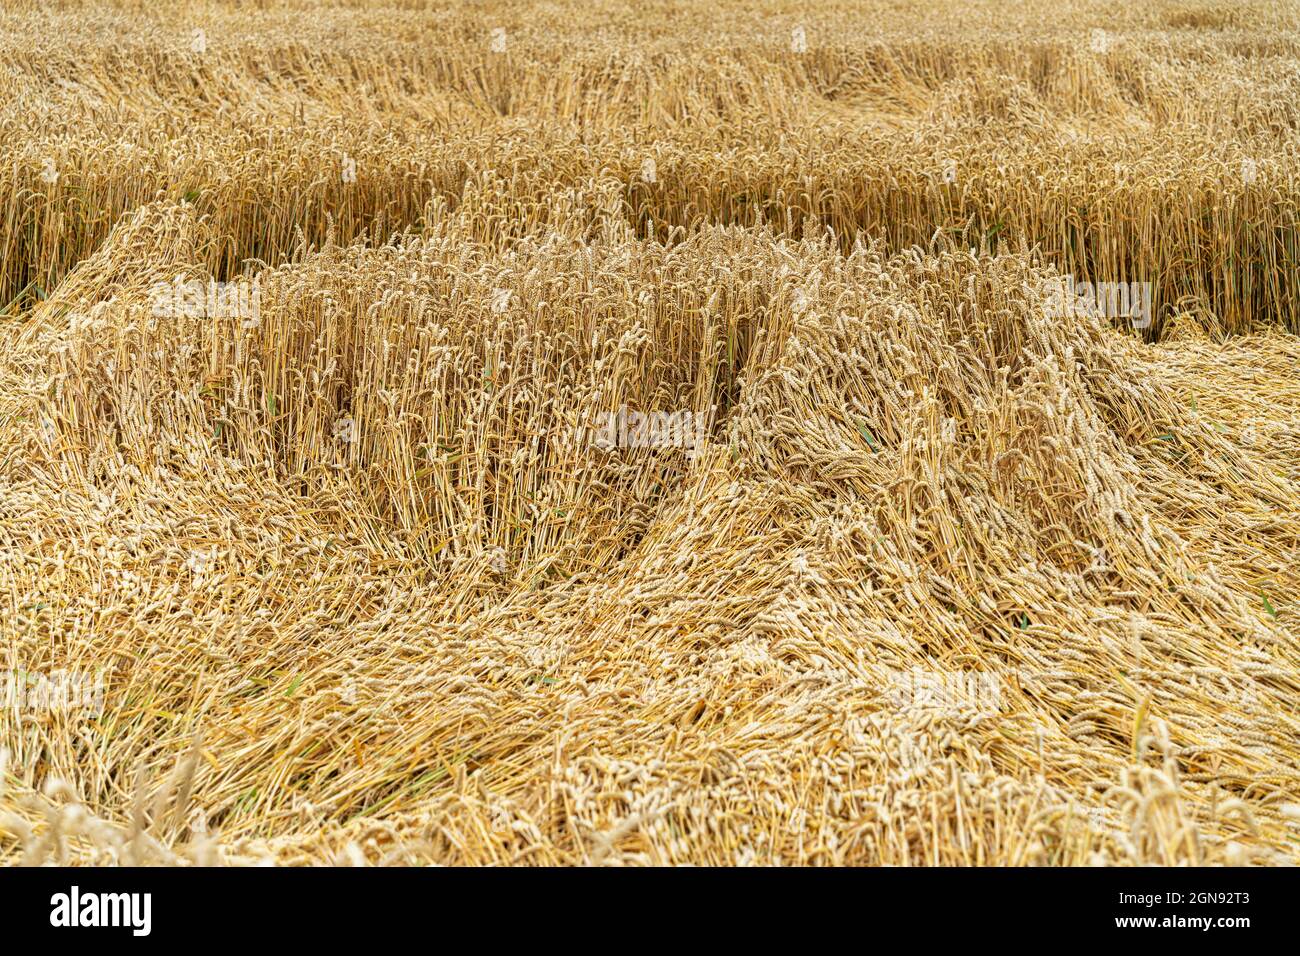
(559, 433)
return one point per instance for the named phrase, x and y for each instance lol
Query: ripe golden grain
(361, 597)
